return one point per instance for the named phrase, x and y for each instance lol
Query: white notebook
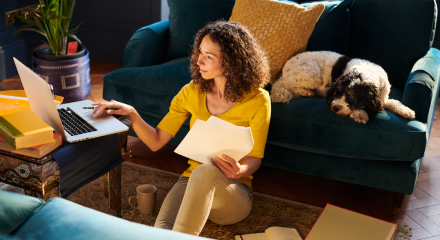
(214, 138)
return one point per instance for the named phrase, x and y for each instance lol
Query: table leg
(54, 192)
(106, 184)
(114, 192)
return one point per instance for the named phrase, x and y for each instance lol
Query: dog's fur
(354, 87)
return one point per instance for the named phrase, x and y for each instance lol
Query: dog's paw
(359, 116)
(280, 95)
(409, 114)
(303, 92)
(310, 94)
(398, 108)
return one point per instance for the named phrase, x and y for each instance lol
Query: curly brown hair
(244, 64)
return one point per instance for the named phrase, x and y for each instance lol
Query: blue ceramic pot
(69, 78)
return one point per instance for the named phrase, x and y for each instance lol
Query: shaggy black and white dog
(354, 87)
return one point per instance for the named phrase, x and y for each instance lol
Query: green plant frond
(21, 29)
(51, 3)
(52, 19)
(75, 28)
(73, 36)
(25, 20)
(35, 14)
(42, 46)
(60, 17)
(72, 6)
(38, 23)
(32, 30)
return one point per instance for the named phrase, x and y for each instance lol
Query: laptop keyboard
(74, 124)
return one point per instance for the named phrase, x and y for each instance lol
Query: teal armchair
(304, 135)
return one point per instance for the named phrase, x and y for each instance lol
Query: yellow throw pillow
(282, 29)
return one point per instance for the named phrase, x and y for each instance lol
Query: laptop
(70, 120)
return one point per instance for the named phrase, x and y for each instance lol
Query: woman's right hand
(124, 109)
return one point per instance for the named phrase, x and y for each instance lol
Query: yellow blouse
(252, 111)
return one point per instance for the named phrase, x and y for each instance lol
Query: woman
(229, 70)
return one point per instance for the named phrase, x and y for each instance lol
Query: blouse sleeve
(260, 127)
(178, 113)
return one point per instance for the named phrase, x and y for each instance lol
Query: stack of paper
(214, 138)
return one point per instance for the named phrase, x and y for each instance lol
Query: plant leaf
(73, 36)
(38, 23)
(32, 30)
(25, 20)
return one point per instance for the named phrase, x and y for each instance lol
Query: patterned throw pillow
(282, 29)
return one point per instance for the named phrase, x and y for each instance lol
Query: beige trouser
(207, 193)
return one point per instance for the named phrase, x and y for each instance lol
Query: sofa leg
(397, 202)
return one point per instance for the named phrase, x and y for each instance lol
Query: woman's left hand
(231, 169)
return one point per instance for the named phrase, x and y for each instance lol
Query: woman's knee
(225, 217)
(206, 171)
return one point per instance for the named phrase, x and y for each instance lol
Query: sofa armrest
(15, 209)
(147, 46)
(66, 220)
(422, 86)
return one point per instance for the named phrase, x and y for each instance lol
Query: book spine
(9, 132)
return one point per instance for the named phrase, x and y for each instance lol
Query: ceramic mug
(146, 198)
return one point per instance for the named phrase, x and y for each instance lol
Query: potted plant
(69, 74)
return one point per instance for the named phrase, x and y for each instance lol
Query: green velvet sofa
(24, 217)
(304, 135)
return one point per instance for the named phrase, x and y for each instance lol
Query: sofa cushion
(15, 209)
(396, 176)
(148, 89)
(8, 237)
(187, 17)
(62, 219)
(282, 29)
(308, 124)
(333, 26)
(397, 34)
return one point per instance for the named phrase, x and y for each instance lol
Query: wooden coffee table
(41, 177)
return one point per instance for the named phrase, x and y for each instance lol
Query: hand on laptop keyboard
(124, 109)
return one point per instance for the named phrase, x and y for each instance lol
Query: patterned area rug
(266, 211)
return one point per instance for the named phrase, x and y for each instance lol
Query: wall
(109, 24)
(164, 10)
(19, 46)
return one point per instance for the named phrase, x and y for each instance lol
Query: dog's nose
(337, 108)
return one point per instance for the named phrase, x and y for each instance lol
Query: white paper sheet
(214, 138)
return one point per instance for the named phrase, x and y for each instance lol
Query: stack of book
(26, 134)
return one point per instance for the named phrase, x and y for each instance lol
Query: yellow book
(24, 129)
(12, 101)
(336, 223)
(272, 233)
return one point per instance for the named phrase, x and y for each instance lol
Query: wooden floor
(421, 210)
